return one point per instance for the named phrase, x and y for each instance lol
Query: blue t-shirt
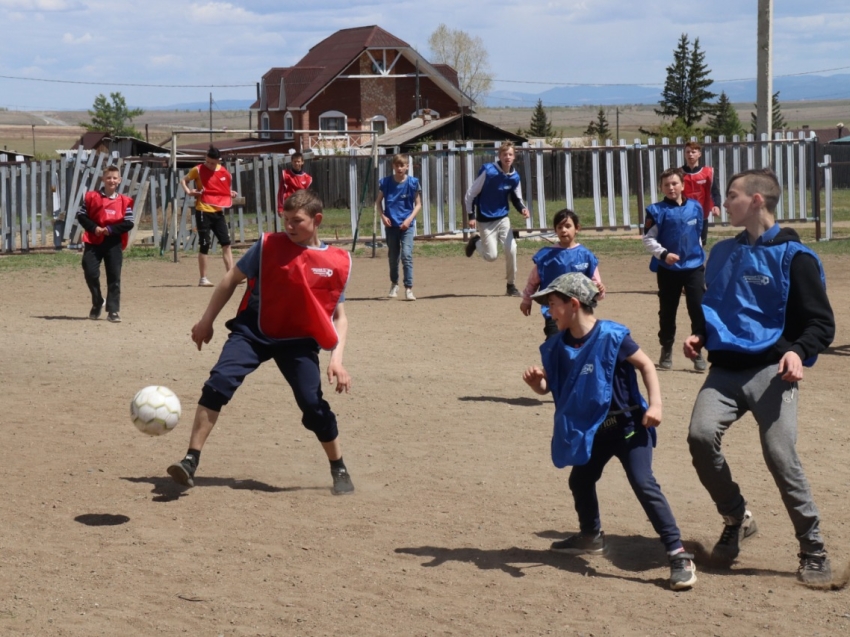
(399, 198)
(247, 321)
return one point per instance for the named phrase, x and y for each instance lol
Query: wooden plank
(154, 221)
(45, 213)
(4, 209)
(238, 171)
(255, 165)
(138, 210)
(24, 208)
(13, 207)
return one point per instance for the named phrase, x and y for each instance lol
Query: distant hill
(804, 87)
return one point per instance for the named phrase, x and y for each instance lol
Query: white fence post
(597, 186)
(541, 194)
(568, 175)
(624, 184)
(827, 186)
(426, 189)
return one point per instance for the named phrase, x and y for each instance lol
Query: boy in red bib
(292, 179)
(212, 194)
(106, 217)
(294, 305)
(700, 185)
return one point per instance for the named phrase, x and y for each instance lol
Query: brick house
(359, 79)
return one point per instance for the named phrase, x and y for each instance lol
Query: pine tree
(779, 122)
(540, 125)
(685, 95)
(724, 120)
(599, 128)
(113, 117)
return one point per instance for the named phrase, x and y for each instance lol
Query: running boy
(292, 307)
(106, 217)
(551, 262)
(402, 202)
(212, 194)
(599, 413)
(292, 179)
(700, 185)
(672, 234)
(767, 316)
(487, 206)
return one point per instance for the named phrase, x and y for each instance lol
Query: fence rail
(39, 199)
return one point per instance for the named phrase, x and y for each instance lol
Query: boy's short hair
(399, 158)
(304, 200)
(762, 181)
(694, 144)
(507, 146)
(669, 173)
(563, 215)
(587, 309)
(214, 153)
(295, 156)
(111, 168)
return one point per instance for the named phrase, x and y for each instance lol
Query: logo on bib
(587, 369)
(692, 222)
(757, 279)
(323, 272)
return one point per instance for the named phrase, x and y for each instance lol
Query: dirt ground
(456, 503)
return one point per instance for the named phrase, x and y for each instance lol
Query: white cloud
(165, 60)
(70, 39)
(221, 13)
(36, 5)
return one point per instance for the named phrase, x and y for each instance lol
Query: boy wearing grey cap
(589, 367)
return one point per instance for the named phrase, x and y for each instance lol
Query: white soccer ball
(155, 410)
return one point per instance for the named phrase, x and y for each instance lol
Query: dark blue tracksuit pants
(298, 361)
(635, 454)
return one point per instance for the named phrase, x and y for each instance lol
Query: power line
(36, 79)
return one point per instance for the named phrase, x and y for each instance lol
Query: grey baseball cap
(574, 285)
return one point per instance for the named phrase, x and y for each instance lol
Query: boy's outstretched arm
(535, 377)
(652, 417)
(335, 368)
(202, 331)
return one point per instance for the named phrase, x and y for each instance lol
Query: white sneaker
(393, 293)
(408, 294)
(205, 283)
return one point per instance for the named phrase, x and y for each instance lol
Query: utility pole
(33, 141)
(618, 124)
(418, 110)
(210, 119)
(764, 72)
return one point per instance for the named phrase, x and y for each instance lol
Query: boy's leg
(717, 406)
(488, 243)
(582, 483)
(218, 225)
(694, 291)
(669, 292)
(203, 227)
(393, 235)
(227, 255)
(407, 255)
(113, 258)
(635, 454)
(91, 271)
(506, 238)
(773, 403)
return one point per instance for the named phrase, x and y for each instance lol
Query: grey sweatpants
(727, 395)
(491, 234)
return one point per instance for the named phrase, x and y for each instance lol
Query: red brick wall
(377, 95)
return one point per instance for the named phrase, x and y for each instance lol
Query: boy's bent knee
(212, 399)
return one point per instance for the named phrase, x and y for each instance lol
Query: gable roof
(330, 57)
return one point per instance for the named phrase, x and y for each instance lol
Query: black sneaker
(665, 361)
(113, 317)
(470, 245)
(512, 291)
(579, 544)
(814, 569)
(699, 363)
(95, 311)
(683, 573)
(342, 482)
(734, 534)
(183, 472)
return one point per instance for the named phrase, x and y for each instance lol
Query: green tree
(113, 117)
(540, 125)
(599, 127)
(724, 120)
(686, 95)
(779, 122)
(466, 55)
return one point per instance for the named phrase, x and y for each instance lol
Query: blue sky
(196, 42)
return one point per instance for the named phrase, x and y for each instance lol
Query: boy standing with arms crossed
(293, 306)
(487, 206)
(599, 413)
(701, 185)
(672, 235)
(292, 179)
(106, 217)
(212, 194)
(402, 202)
(767, 316)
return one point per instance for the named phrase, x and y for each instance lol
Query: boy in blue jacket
(599, 413)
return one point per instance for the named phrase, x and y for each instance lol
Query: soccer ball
(155, 410)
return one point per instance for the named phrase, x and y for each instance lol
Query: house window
(287, 125)
(333, 121)
(379, 124)
(264, 125)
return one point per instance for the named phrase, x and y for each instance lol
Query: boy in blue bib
(767, 316)
(589, 367)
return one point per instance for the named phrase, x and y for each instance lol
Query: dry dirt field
(456, 502)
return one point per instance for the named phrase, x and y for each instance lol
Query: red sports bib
(216, 185)
(698, 187)
(106, 212)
